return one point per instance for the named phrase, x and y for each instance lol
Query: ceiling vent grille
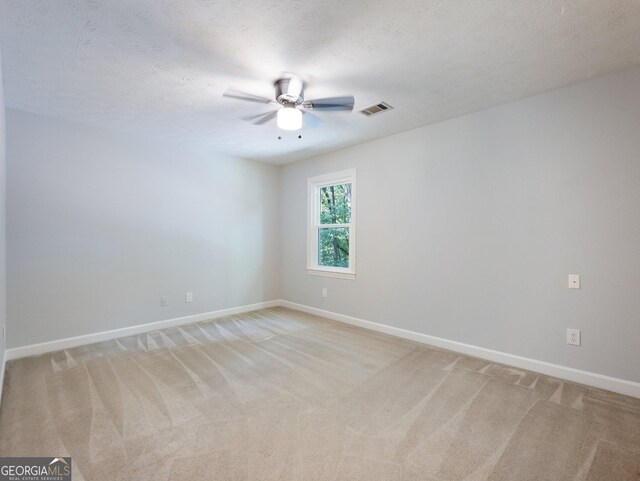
(376, 109)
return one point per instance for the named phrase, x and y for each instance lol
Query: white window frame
(314, 184)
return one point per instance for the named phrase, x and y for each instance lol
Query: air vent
(376, 109)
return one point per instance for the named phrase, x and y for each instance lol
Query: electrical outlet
(324, 292)
(574, 281)
(573, 337)
(188, 297)
(163, 301)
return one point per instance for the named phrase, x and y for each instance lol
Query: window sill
(335, 274)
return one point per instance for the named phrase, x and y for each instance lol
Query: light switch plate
(574, 281)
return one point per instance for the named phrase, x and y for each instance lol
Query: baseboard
(622, 386)
(66, 343)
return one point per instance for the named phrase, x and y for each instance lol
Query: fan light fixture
(291, 105)
(289, 118)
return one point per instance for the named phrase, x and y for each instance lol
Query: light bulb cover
(289, 118)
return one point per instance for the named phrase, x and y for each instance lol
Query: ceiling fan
(289, 96)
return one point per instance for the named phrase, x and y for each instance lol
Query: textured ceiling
(159, 67)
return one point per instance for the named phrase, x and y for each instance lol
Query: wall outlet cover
(574, 281)
(573, 337)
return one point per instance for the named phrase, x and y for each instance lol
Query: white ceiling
(160, 67)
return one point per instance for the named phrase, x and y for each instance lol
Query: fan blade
(311, 120)
(253, 117)
(236, 94)
(263, 118)
(331, 103)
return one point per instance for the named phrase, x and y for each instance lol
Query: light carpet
(281, 395)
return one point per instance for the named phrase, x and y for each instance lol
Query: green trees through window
(335, 204)
(333, 238)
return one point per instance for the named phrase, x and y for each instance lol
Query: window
(332, 220)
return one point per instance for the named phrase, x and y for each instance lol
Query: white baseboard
(622, 386)
(58, 344)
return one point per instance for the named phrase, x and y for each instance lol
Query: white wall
(467, 229)
(101, 225)
(3, 197)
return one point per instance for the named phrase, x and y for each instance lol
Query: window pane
(335, 204)
(333, 247)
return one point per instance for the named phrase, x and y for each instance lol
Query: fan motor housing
(289, 91)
